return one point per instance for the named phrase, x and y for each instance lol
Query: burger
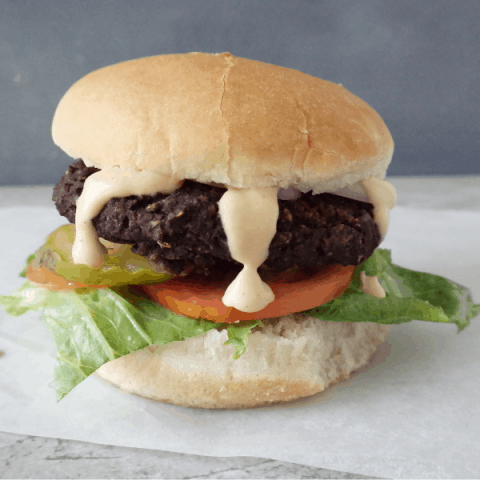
(222, 251)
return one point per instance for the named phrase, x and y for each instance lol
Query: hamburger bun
(292, 357)
(217, 118)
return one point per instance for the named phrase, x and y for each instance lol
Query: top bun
(216, 118)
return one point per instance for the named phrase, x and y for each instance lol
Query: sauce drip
(383, 196)
(371, 286)
(101, 187)
(249, 217)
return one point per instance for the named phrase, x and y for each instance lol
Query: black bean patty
(182, 232)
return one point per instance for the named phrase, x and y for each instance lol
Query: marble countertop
(24, 456)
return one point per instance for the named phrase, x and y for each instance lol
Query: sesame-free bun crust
(294, 357)
(223, 119)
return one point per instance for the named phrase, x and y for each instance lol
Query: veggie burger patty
(182, 232)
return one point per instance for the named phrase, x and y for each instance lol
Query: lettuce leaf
(30, 258)
(410, 295)
(121, 266)
(94, 326)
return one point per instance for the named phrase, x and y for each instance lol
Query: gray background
(416, 62)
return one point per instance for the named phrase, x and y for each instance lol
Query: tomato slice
(51, 281)
(192, 299)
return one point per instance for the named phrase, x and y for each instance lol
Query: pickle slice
(121, 266)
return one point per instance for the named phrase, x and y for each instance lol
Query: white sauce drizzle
(371, 286)
(99, 188)
(383, 196)
(249, 217)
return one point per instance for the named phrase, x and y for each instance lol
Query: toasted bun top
(223, 119)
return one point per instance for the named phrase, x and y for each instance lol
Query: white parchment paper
(413, 412)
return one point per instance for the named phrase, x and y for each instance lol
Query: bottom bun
(288, 358)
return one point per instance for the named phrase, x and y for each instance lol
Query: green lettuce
(410, 295)
(94, 326)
